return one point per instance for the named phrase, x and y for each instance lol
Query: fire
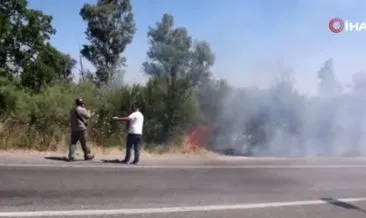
(199, 137)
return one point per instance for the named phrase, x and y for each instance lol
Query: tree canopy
(26, 54)
(110, 28)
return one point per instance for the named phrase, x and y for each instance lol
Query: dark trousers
(133, 141)
(75, 137)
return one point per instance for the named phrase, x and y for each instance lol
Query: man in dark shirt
(78, 124)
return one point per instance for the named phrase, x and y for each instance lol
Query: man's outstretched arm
(122, 118)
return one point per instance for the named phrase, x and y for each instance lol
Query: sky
(251, 39)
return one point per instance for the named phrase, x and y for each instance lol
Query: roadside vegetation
(180, 99)
(37, 88)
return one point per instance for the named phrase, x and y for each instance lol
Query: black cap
(79, 101)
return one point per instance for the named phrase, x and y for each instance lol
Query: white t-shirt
(136, 123)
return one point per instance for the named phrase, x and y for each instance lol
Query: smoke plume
(279, 121)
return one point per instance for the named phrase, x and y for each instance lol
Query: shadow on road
(342, 204)
(59, 158)
(112, 161)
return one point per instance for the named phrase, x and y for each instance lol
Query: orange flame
(199, 137)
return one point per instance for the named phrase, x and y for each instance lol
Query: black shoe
(89, 157)
(71, 159)
(124, 162)
(134, 162)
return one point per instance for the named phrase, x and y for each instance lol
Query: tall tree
(50, 66)
(329, 86)
(22, 32)
(111, 27)
(179, 63)
(25, 50)
(359, 82)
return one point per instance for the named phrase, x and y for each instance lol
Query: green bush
(41, 121)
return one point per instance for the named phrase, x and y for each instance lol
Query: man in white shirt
(136, 122)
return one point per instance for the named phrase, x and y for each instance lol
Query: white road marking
(307, 166)
(170, 209)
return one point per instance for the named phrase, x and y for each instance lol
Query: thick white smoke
(281, 122)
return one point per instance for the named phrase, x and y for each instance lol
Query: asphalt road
(287, 188)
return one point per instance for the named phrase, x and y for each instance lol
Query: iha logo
(337, 25)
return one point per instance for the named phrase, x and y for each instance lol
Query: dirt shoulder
(114, 153)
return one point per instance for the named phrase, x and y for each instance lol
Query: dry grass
(172, 150)
(153, 151)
